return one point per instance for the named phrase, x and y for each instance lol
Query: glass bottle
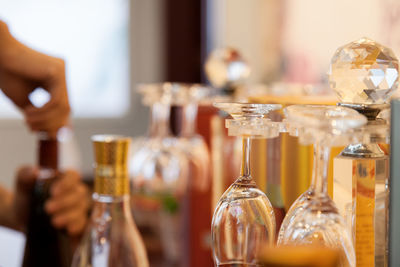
(45, 246)
(364, 74)
(112, 238)
(244, 219)
(313, 217)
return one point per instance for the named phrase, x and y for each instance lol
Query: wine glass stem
(159, 122)
(189, 119)
(320, 169)
(245, 169)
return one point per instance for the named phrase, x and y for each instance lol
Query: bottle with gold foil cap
(112, 238)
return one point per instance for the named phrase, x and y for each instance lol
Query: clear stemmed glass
(314, 218)
(160, 174)
(244, 220)
(171, 175)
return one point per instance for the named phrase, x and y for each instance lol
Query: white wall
(253, 27)
(293, 35)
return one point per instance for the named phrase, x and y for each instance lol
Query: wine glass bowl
(159, 166)
(170, 170)
(244, 219)
(317, 222)
(162, 160)
(313, 218)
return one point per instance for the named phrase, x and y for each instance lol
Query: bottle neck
(47, 155)
(320, 169)
(109, 206)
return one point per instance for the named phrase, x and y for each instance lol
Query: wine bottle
(45, 246)
(112, 238)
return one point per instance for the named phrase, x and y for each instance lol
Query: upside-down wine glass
(170, 171)
(159, 171)
(313, 218)
(244, 220)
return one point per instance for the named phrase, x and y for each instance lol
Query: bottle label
(111, 180)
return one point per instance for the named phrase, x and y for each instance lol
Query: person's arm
(22, 70)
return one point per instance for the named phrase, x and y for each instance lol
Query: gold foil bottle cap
(111, 164)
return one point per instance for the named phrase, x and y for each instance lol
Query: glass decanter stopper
(364, 74)
(313, 218)
(244, 220)
(226, 66)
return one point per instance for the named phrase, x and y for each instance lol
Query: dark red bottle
(45, 246)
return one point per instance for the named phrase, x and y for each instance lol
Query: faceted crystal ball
(364, 72)
(226, 66)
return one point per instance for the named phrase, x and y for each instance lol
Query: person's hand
(22, 70)
(68, 203)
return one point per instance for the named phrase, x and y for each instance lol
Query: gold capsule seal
(111, 164)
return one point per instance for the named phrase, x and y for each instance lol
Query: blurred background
(111, 46)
